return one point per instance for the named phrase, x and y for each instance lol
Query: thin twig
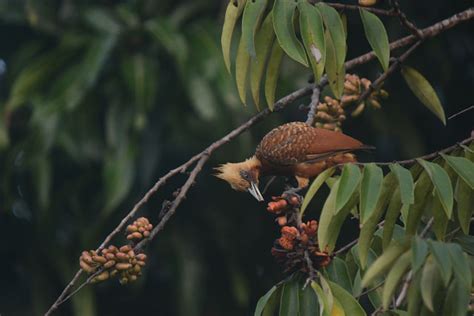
(314, 103)
(431, 31)
(404, 20)
(378, 82)
(346, 247)
(370, 290)
(343, 7)
(461, 112)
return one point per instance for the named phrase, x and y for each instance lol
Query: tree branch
(203, 156)
(404, 20)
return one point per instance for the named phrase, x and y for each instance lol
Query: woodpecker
(293, 149)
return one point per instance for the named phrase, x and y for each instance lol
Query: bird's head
(242, 176)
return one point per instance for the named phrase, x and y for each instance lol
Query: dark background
(73, 161)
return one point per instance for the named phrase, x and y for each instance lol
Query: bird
(292, 149)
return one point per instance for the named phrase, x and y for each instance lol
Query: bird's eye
(245, 175)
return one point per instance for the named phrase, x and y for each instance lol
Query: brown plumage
(293, 149)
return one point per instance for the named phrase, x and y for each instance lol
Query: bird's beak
(255, 191)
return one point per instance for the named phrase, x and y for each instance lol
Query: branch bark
(203, 156)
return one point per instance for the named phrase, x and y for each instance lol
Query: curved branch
(203, 156)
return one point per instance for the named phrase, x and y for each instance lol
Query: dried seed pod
(359, 109)
(113, 249)
(99, 259)
(123, 280)
(109, 264)
(109, 256)
(122, 266)
(125, 248)
(367, 3)
(282, 220)
(141, 256)
(289, 232)
(286, 243)
(103, 276)
(86, 257)
(113, 272)
(122, 256)
(132, 228)
(86, 267)
(146, 233)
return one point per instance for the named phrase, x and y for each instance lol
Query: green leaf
(377, 36)
(289, 303)
(442, 184)
(335, 27)
(140, 74)
(329, 222)
(370, 189)
(422, 188)
(271, 77)
(440, 252)
(440, 223)
(405, 181)
(349, 181)
(313, 189)
(419, 250)
(262, 302)
(430, 283)
(394, 277)
(232, 14)
(283, 13)
(457, 299)
(465, 200)
(325, 302)
(312, 33)
(253, 13)
(338, 273)
(463, 167)
(265, 38)
(348, 303)
(368, 229)
(273, 303)
(391, 217)
(383, 263)
(308, 302)
(242, 63)
(462, 270)
(423, 91)
(334, 72)
(414, 296)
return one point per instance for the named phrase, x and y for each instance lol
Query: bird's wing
(297, 143)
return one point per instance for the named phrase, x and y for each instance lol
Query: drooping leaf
(394, 277)
(423, 91)
(391, 217)
(289, 303)
(440, 253)
(271, 77)
(333, 23)
(370, 189)
(283, 14)
(414, 296)
(313, 189)
(462, 270)
(338, 273)
(273, 303)
(368, 229)
(457, 299)
(430, 283)
(242, 62)
(262, 302)
(440, 220)
(334, 72)
(442, 184)
(325, 305)
(264, 41)
(419, 251)
(383, 263)
(232, 14)
(422, 188)
(253, 14)
(463, 167)
(330, 223)
(465, 201)
(312, 33)
(377, 36)
(349, 182)
(346, 300)
(308, 302)
(405, 181)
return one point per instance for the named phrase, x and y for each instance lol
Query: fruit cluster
(354, 86)
(330, 114)
(112, 262)
(290, 248)
(139, 229)
(121, 262)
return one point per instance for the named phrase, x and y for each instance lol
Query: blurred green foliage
(100, 98)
